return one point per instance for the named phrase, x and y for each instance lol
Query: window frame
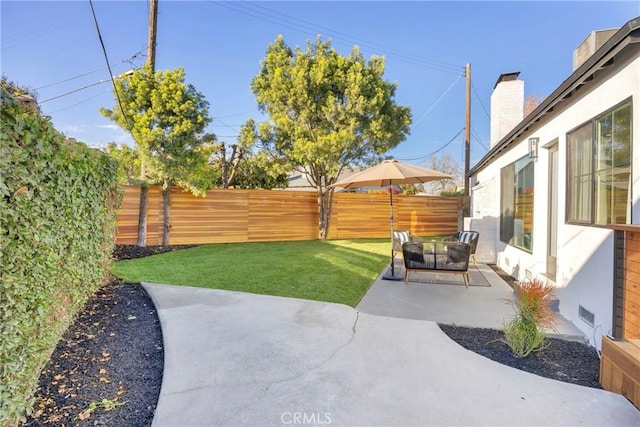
(591, 222)
(513, 184)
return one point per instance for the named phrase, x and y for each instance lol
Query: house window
(599, 169)
(516, 204)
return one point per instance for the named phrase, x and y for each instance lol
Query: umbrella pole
(391, 276)
(391, 220)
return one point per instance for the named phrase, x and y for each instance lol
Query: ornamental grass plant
(525, 333)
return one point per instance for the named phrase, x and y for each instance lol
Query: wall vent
(587, 316)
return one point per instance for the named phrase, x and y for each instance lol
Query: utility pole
(153, 27)
(144, 190)
(467, 139)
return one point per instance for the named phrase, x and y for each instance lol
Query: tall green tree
(165, 116)
(327, 112)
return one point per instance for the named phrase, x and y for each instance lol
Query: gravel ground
(107, 369)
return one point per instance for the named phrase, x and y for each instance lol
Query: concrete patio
(451, 304)
(235, 358)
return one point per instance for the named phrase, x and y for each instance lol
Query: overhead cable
(438, 100)
(131, 58)
(10, 42)
(361, 41)
(78, 103)
(232, 127)
(480, 100)
(348, 40)
(74, 91)
(475, 135)
(235, 115)
(106, 58)
(437, 151)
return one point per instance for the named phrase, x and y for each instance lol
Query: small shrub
(452, 193)
(525, 334)
(534, 301)
(524, 337)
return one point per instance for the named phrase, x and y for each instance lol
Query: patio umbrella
(386, 174)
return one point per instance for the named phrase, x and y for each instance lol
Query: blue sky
(220, 46)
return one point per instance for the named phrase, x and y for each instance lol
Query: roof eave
(629, 33)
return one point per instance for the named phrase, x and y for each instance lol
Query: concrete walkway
(241, 359)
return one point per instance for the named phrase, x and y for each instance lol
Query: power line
(225, 125)
(438, 150)
(232, 127)
(78, 103)
(74, 91)
(234, 115)
(106, 58)
(475, 135)
(399, 55)
(438, 100)
(37, 32)
(434, 62)
(480, 100)
(131, 58)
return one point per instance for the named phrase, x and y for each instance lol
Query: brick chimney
(507, 105)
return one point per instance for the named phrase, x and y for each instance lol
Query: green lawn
(338, 271)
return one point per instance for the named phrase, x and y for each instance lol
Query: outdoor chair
(469, 237)
(400, 237)
(438, 257)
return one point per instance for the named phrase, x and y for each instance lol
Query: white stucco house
(542, 196)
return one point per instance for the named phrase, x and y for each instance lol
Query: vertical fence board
(360, 216)
(220, 217)
(282, 215)
(155, 216)
(127, 217)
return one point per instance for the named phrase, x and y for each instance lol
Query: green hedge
(58, 201)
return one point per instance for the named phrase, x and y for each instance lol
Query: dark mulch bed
(121, 252)
(568, 361)
(114, 351)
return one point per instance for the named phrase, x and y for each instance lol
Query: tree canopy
(326, 112)
(166, 117)
(128, 160)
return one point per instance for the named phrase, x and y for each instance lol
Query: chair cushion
(465, 236)
(402, 236)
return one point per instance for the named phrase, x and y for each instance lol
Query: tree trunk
(166, 207)
(142, 217)
(325, 202)
(225, 165)
(236, 156)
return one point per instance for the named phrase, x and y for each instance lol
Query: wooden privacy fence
(229, 215)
